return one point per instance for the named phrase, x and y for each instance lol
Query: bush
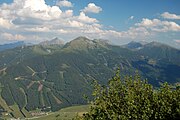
(131, 98)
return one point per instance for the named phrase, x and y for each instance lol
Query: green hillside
(50, 77)
(66, 113)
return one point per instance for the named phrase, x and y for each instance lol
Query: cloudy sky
(119, 21)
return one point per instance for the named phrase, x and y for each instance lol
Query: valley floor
(63, 114)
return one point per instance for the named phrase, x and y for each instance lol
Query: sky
(119, 21)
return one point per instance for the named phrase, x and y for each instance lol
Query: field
(64, 114)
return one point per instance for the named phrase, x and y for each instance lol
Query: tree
(131, 98)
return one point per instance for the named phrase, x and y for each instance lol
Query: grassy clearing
(26, 113)
(65, 114)
(16, 112)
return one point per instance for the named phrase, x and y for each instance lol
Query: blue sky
(116, 12)
(119, 21)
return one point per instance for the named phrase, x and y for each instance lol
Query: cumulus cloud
(82, 17)
(168, 15)
(145, 22)
(5, 23)
(30, 8)
(33, 18)
(38, 9)
(38, 29)
(35, 21)
(92, 8)
(75, 24)
(67, 13)
(9, 36)
(136, 33)
(35, 5)
(158, 25)
(64, 3)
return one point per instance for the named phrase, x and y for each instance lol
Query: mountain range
(11, 45)
(53, 75)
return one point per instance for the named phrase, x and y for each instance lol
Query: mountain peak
(54, 41)
(83, 43)
(56, 38)
(134, 45)
(81, 38)
(157, 44)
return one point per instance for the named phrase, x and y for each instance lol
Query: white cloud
(30, 8)
(38, 29)
(9, 36)
(67, 13)
(35, 5)
(75, 24)
(5, 23)
(35, 21)
(92, 8)
(82, 17)
(64, 3)
(158, 25)
(136, 33)
(145, 22)
(177, 41)
(39, 21)
(131, 18)
(168, 15)
(62, 31)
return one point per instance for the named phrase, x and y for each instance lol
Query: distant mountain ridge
(133, 45)
(11, 45)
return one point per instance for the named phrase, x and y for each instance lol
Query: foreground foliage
(131, 98)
